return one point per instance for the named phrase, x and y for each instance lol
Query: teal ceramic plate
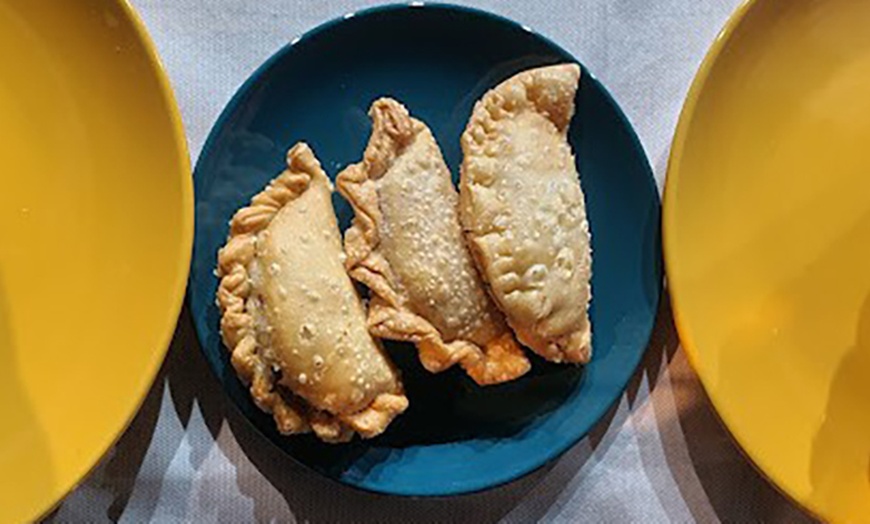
(437, 59)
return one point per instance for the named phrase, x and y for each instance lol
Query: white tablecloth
(659, 456)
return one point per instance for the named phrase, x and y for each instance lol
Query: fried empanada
(292, 318)
(524, 213)
(406, 245)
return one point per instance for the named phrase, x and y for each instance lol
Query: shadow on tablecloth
(676, 431)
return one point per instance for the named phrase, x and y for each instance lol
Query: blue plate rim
(239, 98)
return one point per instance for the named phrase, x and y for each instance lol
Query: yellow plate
(96, 220)
(767, 243)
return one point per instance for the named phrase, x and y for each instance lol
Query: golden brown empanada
(524, 212)
(292, 318)
(406, 245)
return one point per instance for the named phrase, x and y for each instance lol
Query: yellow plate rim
(668, 225)
(184, 256)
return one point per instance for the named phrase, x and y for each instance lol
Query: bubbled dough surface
(529, 221)
(310, 319)
(544, 226)
(422, 240)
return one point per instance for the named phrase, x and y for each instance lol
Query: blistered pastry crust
(241, 321)
(524, 213)
(406, 245)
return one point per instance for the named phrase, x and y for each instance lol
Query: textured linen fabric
(660, 455)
